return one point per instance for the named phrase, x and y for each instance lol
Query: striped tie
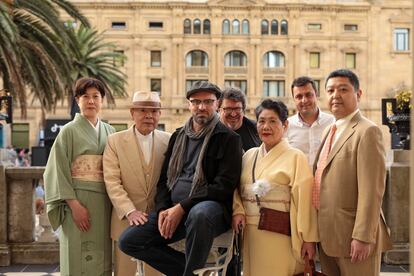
(323, 157)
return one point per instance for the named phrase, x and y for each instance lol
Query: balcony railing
(196, 70)
(274, 71)
(235, 70)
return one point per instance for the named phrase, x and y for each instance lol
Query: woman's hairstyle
(277, 106)
(85, 83)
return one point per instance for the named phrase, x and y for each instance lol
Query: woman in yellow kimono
(285, 184)
(74, 188)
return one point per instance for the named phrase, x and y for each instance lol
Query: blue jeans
(199, 227)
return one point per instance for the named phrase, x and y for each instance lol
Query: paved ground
(49, 270)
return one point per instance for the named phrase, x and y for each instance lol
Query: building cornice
(354, 7)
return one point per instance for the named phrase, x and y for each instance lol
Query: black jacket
(221, 166)
(248, 134)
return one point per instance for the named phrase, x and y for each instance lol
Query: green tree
(38, 53)
(93, 57)
(31, 56)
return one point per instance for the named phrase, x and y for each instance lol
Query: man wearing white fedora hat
(132, 165)
(195, 191)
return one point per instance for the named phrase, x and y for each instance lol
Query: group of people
(293, 186)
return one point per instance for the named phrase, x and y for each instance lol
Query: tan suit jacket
(125, 179)
(352, 187)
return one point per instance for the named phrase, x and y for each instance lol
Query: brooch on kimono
(260, 188)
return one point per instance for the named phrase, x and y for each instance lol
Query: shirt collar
(141, 136)
(317, 121)
(347, 119)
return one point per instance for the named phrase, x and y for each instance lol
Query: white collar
(142, 136)
(317, 121)
(96, 127)
(347, 119)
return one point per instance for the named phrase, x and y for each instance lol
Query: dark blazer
(221, 166)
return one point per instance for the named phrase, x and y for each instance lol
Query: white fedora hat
(143, 99)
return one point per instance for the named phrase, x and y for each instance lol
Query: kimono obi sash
(88, 168)
(278, 198)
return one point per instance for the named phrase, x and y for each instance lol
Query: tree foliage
(40, 55)
(92, 56)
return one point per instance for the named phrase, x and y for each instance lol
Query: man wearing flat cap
(132, 165)
(195, 191)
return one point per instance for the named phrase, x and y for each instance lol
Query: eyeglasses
(206, 102)
(229, 110)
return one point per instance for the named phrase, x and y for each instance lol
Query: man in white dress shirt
(306, 126)
(132, 166)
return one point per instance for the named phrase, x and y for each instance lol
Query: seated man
(195, 191)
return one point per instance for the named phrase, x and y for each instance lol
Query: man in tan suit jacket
(132, 164)
(352, 182)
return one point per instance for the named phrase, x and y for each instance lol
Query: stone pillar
(212, 64)
(5, 255)
(21, 205)
(396, 205)
(21, 219)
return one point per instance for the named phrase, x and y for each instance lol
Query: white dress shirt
(305, 137)
(341, 125)
(145, 142)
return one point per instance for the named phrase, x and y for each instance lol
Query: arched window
(235, 58)
(274, 27)
(187, 26)
(274, 59)
(265, 27)
(197, 26)
(236, 26)
(245, 27)
(283, 27)
(196, 58)
(206, 26)
(226, 27)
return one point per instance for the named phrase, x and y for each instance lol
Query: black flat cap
(204, 86)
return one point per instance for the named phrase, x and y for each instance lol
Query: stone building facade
(258, 45)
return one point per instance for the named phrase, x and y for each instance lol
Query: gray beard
(201, 120)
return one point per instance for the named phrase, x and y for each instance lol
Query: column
(4, 247)
(213, 66)
(21, 205)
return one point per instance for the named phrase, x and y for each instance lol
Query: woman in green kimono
(74, 188)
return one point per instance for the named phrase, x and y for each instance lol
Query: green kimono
(81, 253)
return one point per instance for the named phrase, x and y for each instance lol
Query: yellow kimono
(268, 253)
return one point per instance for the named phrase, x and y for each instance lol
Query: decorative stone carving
(398, 122)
